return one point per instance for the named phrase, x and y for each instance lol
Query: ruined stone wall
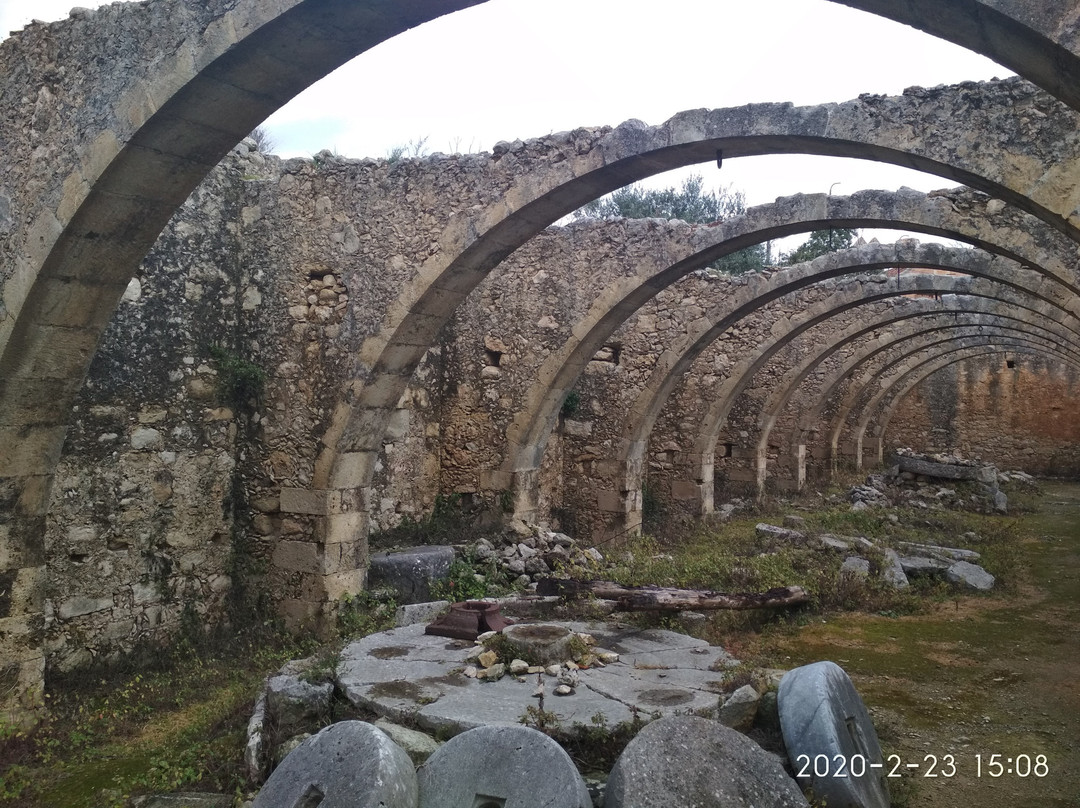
(1016, 417)
(168, 497)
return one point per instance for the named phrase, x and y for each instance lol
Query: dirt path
(978, 677)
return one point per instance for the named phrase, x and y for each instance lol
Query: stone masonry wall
(1016, 417)
(168, 498)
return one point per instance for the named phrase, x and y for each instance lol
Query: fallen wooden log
(646, 598)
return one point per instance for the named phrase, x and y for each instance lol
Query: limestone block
(146, 438)
(970, 575)
(410, 572)
(349, 763)
(893, 571)
(686, 760)
(305, 500)
(294, 705)
(296, 556)
(418, 746)
(81, 604)
(740, 708)
(854, 565)
(501, 765)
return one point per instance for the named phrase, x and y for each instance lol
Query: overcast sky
(522, 68)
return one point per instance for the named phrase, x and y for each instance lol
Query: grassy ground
(943, 673)
(178, 724)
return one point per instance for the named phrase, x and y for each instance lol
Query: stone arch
(586, 164)
(666, 374)
(741, 377)
(98, 220)
(931, 319)
(862, 399)
(943, 327)
(1041, 44)
(901, 387)
(961, 214)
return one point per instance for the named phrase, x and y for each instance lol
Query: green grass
(116, 733)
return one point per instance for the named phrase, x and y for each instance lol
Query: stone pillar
(23, 503)
(333, 562)
(620, 512)
(525, 489)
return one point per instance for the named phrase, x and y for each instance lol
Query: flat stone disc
(821, 714)
(503, 767)
(351, 764)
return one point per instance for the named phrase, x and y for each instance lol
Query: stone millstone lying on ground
(691, 761)
(405, 674)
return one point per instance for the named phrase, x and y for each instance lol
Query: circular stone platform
(404, 674)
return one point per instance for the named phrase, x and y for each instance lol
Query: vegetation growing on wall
(240, 383)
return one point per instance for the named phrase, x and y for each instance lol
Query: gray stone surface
(410, 572)
(780, 535)
(294, 704)
(740, 708)
(510, 766)
(417, 745)
(424, 613)
(350, 764)
(821, 714)
(406, 674)
(917, 565)
(854, 565)
(893, 571)
(954, 553)
(947, 471)
(970, 575)
(691, 761)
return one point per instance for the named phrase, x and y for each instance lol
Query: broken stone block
(293, 704)
(740, 708)
(417, 745)
(970, 575)
(501, 765)
(780, 535)
(410, 572)
(854, 565)
(893, 571)
(687, 760)
(915, 566)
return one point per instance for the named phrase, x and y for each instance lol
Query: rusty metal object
(468, 620)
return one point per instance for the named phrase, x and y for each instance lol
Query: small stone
(145, 438)
(487, 659)
(564, 690)
(740, 708)
(494, 673)
(519, 666)
(535, 669)
(471, 671)
(608, 657)
(487, 635)
(553, 670)
(854, 565)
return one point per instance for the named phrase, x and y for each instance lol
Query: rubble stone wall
(1012, 411)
